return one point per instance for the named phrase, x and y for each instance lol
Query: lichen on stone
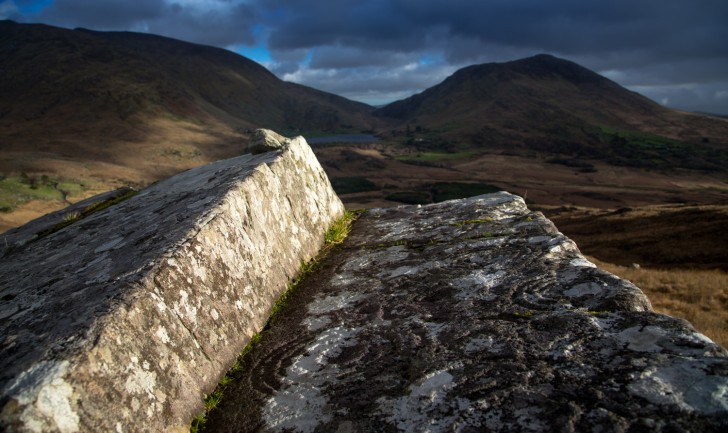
(450, 331)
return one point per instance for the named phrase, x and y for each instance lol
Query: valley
(541, 181)
(82, 112)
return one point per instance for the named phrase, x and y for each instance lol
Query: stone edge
(50, 396)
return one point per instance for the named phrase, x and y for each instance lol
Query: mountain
(127, 99)
(83, 112)
(547, 104)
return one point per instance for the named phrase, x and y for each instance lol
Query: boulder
(473, 315)
(265, 140)
(124, 320)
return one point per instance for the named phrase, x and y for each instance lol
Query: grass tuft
(340, 229)
(214, 399)
(198, 423)
(335, 235)
(524, 314)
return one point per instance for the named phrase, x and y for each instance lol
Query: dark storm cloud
(220, 27)
(338, 57)
(657, 45)
(363, 24)
(385, 48)
(668, 29)
(101, 14)
(215, 22)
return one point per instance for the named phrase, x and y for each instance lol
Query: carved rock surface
(124, 320)
(468, 316)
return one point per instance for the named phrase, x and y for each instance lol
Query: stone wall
(124, 320)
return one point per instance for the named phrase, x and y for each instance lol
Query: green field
(640, 149)
(16, 190)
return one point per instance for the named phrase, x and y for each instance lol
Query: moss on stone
(473, 221)
(335, 235)
(89, 210)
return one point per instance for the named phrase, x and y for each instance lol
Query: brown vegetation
(663, 236)
(395, 168)
(698, 296)
(675, 253)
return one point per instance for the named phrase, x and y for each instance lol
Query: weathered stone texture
(124, 320)
(19, 236)
(469, 316)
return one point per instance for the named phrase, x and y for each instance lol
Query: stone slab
(468, 316)
(123, 321)
(19, 236)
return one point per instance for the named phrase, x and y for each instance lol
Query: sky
(377, 51)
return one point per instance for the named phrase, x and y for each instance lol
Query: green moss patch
(84, 213)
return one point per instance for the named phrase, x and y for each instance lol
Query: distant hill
(83, 112)
(547, 104)
(101, 96)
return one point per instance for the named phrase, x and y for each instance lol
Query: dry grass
(699, 296)
(657, 237)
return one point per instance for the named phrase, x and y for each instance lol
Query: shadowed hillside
(142, 103)
(546, 104)
(83, 112)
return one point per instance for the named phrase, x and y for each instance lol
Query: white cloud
(709, 98)
(374, 85)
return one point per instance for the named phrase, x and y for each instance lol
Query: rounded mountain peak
(547, 65)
